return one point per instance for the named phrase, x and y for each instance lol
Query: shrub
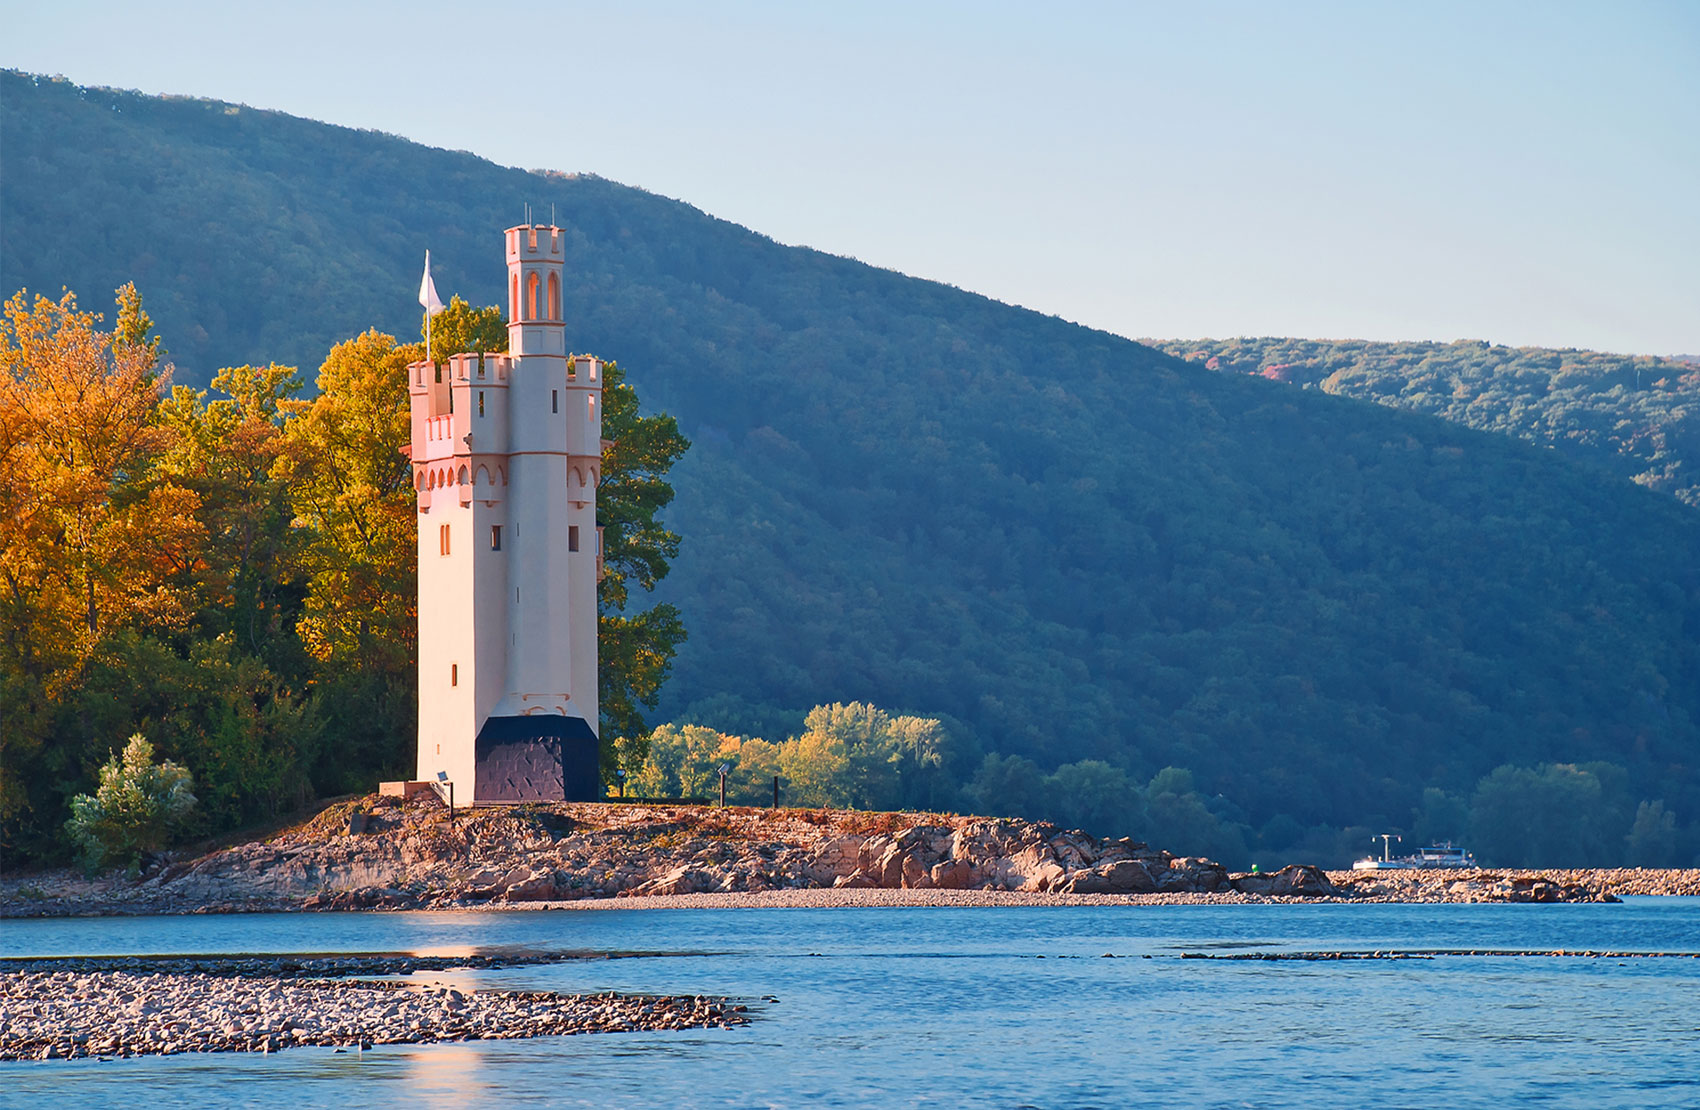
(134, 809)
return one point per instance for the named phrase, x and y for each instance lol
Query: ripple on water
(954, 1007)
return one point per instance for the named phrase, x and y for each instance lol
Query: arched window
(531, 284)
(554, 297)
(513, 303)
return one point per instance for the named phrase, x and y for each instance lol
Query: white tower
(507, 455)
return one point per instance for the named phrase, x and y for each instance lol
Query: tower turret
(535, 258)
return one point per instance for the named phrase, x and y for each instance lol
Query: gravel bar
(47, 1015)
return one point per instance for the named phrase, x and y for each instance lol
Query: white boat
(1435, 856)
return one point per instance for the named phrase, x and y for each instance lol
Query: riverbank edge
(1424, 891)
(387, 854)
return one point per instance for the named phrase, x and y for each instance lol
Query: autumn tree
(226, 445)
(95, 537)
(345, 462)
(350, 486)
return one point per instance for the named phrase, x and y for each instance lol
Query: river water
(980, 1007)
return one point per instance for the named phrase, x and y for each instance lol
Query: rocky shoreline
(383, 853)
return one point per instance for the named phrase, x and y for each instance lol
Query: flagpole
(428, 357)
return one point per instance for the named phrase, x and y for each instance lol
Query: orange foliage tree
(93, 537)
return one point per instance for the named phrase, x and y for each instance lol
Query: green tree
(1181, 820)
(249, 737)
(1553, 815)
(1008, 786)
(134, 810)
(1095, 796)
(1652, 839)
(1441, 818)
(636, 645)
(681, 761)
(461, 328)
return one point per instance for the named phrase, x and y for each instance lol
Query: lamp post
(447, 787)
(724, 768)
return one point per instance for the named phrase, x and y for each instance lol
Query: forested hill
(1633, 417)
(1076, 547)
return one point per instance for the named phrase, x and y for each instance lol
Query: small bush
(134, 810)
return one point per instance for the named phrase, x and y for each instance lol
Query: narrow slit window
(480, 402)
(443, 540)
(554, 400)
(454, 674)
(495, 537)
(572, 537)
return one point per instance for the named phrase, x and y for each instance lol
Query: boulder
(917, 874)
(534, 886)
(906, 859)
(1124, 876)
(1075, 849)
(680, 880)
(1192, 875)
(1295, 880)
(834, 859)
(952, 874)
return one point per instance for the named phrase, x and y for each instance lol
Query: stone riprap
(409, 855)
(66, 1014)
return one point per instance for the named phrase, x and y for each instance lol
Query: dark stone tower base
(542, 758)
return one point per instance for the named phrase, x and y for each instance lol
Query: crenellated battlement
(536, 242)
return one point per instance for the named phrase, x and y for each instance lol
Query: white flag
(427, 291)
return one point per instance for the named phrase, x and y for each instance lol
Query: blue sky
(1525, 173)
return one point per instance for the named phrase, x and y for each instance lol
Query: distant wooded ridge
(1636, 417)
(1302, 612)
